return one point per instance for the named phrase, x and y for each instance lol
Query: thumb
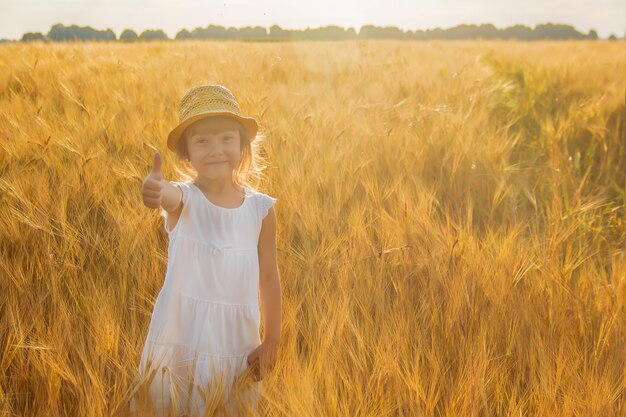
(156, 168)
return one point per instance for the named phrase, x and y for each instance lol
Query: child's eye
(228, 138)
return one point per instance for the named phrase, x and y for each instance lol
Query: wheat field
(451, 221)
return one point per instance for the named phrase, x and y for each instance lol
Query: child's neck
(217, 187)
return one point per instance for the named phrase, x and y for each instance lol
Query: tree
(277, 32)
(517, 32)
(377, 32)
(33, 36)
(210, 31)
(153, 35)
(58, 32)
(128, 35)
(552, 31)
(183, 34)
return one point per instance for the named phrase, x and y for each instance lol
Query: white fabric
(206, 317)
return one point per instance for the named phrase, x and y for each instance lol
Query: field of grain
(452, 221)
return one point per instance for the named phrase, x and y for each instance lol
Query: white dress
(206, 317)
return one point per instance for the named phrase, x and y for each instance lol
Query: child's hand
(263, 359)
(151, 187)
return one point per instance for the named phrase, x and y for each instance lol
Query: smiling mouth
(216, 163)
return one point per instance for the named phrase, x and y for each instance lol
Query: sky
(17, 17)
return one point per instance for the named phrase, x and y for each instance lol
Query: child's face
(213, 145)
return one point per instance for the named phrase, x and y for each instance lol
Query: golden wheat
(451, 221)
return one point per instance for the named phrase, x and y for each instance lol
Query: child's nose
(214, 151)
(215, 146)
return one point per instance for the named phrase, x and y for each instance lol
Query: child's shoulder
(258, 193)
(263, 201)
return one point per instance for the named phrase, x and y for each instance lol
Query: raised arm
(157, 192)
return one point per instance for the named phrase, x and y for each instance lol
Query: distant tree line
(59, 32)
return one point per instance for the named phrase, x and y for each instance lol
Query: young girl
(203, 343)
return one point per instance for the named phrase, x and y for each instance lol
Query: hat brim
(174, 136)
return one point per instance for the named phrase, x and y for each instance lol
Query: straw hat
(205, 101)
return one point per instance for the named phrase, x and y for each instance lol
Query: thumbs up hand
(151, 187)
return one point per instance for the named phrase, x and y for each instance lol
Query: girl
(203, 338)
